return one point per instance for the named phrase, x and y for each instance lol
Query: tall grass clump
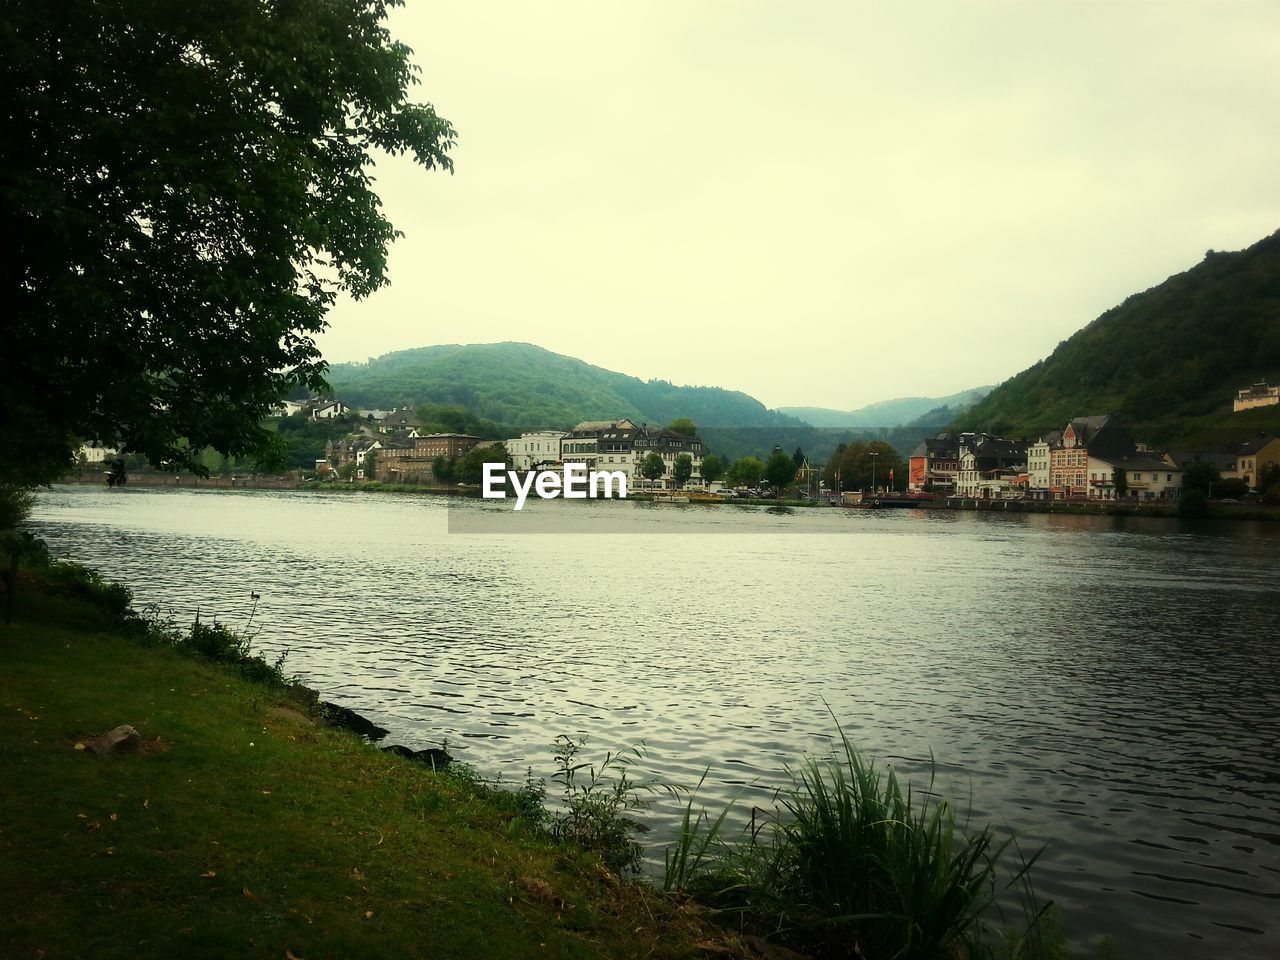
(855, 863)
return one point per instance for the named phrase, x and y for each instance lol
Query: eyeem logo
(575, 483)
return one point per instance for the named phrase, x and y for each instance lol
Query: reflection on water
(1104, 685)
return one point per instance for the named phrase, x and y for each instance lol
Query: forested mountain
(525, 387)
(519, 386)
(1166, 363)
(892, 413)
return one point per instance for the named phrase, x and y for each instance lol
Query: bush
(854, 858)
(1232, 487)
(15, 504)
(596, 803)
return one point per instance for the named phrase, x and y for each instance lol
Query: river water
(1105, 686)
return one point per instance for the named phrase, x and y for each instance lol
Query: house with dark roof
(1083, 437)
(1147, 475)
(622, 445)
(402, 418)
(991, 468)
(351, 452)
(933, 465)
(1254, 457)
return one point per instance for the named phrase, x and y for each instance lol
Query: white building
(1038, 458)
(94, 454)
(1149, 477)
(330, 410)
(287, 408)
(540, 448)
(1258, 395)
(621, 445)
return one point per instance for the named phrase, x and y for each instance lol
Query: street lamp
(873, 454)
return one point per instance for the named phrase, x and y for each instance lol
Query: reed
(856, 861)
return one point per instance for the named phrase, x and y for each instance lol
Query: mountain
(1166, 363)
(892, 413)
(524, 387)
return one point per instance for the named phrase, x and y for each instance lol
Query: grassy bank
(244, 828)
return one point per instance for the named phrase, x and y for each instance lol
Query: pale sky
(820, 204)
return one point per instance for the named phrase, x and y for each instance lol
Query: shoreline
(1104, 508)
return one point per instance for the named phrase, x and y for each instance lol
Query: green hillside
(892, 413)
(525, 387)
(1166, 363)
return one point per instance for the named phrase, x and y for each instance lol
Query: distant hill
(892, 413)
(524, 387)
(1166, 363)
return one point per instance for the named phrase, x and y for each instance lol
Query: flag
(891, 474)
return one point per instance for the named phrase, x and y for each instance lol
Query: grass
(857, 864)
(246, 829)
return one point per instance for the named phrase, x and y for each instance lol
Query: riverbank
(1108, 508)
(243, 827)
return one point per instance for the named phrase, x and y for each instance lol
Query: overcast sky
(819, 203)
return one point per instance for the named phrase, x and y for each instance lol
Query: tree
(780, 471)
(798, 458)
(853, 465)
(682, 469)
(471, 466)
(747, 471)
(443, 469)
(683, 426)
(1199, 477)
(1120, 480)
(1232, 487)
(652, 466)
(185, 190)
(712, 468)
(370, 466)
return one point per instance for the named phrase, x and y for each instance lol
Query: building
(1259, 395)
(934, 464)
(92, 453)
(1253, 457)
(351, 452)
(409, 460)
(1082, 438)
(538, 449)
(1039, 460)
(286, 408)
(1223, 461)
(327, 409)
(623, 446)
(991, 468)
(1149, 476)
(402, 418)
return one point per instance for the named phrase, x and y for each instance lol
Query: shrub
(596, 801)
(854, 858)
(15, 504)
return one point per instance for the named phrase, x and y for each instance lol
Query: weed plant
(855, 863)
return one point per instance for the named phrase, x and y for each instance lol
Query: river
(1106, 686)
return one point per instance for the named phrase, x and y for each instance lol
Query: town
(1090, 458)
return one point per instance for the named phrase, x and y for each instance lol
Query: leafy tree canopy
(862, 464)
(184, 191)
(1200, 476)
(652, 467)
(747, 471)
(712, 468)
(682, 469)
(471, 465)
(683, 426)
(780, 470)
